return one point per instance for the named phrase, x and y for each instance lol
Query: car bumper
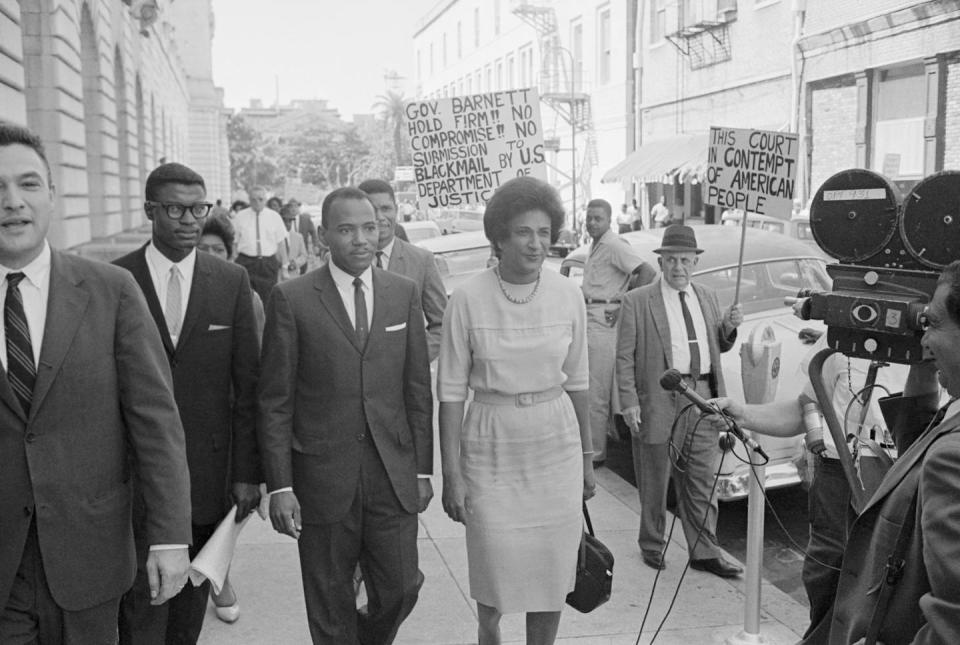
(736, 484)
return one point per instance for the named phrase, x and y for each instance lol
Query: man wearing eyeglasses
(260, 233)
(202, 307)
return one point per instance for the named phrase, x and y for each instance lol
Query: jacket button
(361, 437)
(30, 437)
(27, 511)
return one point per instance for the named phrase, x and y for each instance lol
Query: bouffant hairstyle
(223, 229)
(516, 197)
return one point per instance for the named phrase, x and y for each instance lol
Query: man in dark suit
(345, 427)
(399, 256)
(672, 323)
(86, 406)
(202, 307)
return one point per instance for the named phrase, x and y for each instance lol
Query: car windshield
(764, 285)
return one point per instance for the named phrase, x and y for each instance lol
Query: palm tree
(391, 109)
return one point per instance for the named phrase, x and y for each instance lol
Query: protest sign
(752, 170)
(464, 147)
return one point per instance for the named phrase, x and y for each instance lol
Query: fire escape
(559, 89)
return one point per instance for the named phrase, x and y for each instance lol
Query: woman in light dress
(517, 466)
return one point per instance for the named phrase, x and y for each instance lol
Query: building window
(898, 140)
(499, 74)
(459, 40)
(476, 27)
(431, 59)
(576, 49)
(510, 74)
(489, 71)
(443, 52)
(469, 84)
(496, 17)
(419, 64)
(658, 20)
(478, 80)
(604, 51)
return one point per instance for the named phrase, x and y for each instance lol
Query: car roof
(721, 245)
(456, 242)
(420, 224)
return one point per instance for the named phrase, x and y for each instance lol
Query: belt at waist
(521, 400)
(254, 257)
(602, 301)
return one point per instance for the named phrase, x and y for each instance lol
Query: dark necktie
(360, 311)
(379, 259)
(691, 336)
(21, 370)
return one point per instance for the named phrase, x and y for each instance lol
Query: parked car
(421, 230)
(797, 227)
(566, 242)
(467, 221)
(774, 266)
(460, 257)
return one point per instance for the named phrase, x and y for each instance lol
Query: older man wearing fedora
(672, 323)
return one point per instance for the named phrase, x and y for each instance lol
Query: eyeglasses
(177, 211)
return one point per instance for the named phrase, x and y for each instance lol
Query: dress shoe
(717, 566)
(653, 559)
(599, 463)
(226, 604)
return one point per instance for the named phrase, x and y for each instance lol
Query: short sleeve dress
(522, 464)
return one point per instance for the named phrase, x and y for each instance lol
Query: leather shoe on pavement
(717, 566)
(653, 559)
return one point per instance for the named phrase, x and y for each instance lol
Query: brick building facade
(881, 88)
(113, 89)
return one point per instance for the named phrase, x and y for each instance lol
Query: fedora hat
(678, 238)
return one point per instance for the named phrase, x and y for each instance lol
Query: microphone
(673, 380)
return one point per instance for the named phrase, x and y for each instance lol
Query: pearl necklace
(517, 301)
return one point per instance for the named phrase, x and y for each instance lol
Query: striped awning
(684, 155)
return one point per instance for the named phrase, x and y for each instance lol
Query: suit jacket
(215, 366)
(102, 406)
(418, 265)
(321, 393)
(925, 604)
(644, 354)
(293, 249)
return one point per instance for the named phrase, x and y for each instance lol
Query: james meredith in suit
(401, 257)
(203, 309)
(86, 406)
(345, 427)
(672, 323)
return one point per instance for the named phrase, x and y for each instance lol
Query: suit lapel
(141, 273)
(397, 260)
(710, 322)
(658, 309)
(8, 397)
(908, 460)
(66, 305)
(200, 290)
(330, 299)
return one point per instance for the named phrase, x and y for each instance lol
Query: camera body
(890, 253)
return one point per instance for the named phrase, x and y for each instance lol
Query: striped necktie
(21, 370)
(173, 312)
(691, 336)
(360, 312)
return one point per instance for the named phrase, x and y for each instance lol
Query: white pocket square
(217, 327)
(396, 327)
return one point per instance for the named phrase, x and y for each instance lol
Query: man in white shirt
(202, 307)
(403, 258)
(346, 427)
(86, 407)
(675, 324)
(260, 232)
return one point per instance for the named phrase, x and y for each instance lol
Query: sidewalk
(707, 610)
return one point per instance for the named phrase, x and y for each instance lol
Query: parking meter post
(760, 372)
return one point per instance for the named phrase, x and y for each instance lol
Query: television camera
(890, 253)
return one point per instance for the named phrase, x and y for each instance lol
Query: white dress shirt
(385, 254)
(679, 346)
(35, 290)
(272, 232)
(159, 266)
(344, 282)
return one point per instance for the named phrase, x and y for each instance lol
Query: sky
(336, 50)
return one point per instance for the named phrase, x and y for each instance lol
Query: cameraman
(913, 519)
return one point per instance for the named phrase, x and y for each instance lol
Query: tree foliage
(390, 109)
(252, 161)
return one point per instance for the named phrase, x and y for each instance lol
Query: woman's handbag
(594, 571)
